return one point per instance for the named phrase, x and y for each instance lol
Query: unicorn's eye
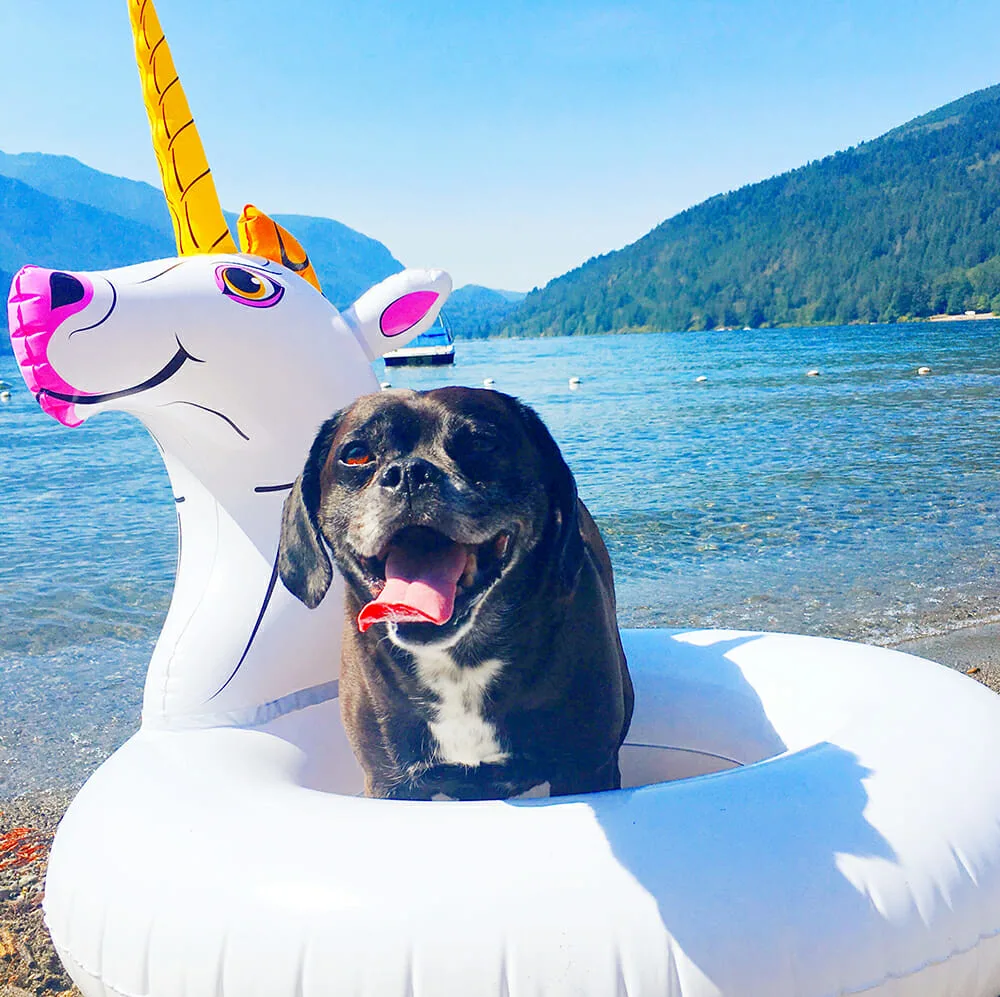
(248, 287)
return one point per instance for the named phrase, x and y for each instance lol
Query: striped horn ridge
(263, 236)
(199, 225)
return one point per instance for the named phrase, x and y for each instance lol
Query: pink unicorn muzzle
(40, 302)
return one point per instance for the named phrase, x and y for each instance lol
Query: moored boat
(434, 347)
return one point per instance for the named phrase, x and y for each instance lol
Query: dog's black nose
(64, 289)
(409, 474)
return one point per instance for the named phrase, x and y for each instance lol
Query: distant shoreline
(647, 330)
(7, 350)
(966, 317)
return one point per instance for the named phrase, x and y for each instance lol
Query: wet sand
(974, 650)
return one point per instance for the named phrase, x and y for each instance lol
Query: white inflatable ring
(853, 847)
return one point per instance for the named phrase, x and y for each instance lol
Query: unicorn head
(221, 347)
(232, 358)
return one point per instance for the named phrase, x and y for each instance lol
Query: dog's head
(430, 502)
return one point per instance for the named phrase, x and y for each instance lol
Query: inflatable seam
(299, 990)
(621, 987)
(196, 606)
(252, 716)
(688, 751)
(926, 964)
(504, 975)
(408, 973)
(66, 953)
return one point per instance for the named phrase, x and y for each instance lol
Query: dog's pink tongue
(419, 587)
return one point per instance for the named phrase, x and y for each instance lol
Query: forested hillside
(907, 225)
(473, 311)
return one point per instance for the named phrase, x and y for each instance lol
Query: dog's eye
(248, 287)
(355, 453)
(477, 442)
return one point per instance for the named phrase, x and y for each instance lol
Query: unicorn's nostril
(64, 289)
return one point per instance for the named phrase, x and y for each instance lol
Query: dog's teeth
(471, 566)
(501, 543)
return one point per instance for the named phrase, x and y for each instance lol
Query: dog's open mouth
(423, 573)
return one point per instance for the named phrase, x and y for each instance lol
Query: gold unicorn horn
(199, 226)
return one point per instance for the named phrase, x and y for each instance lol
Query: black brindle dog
(481, 656)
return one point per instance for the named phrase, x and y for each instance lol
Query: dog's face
(429, 502)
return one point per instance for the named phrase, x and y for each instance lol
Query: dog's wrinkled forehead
(391, 417)
(400, 419)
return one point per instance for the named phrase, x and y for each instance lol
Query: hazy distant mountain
(68, 179)
(473, 311)
(907, 225)
(57, 212)
(58, 232)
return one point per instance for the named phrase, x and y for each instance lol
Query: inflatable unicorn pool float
(802, 816)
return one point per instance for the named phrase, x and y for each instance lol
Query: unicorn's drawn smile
(48, 308)
(164, 373)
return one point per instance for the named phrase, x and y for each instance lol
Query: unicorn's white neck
(234, 639)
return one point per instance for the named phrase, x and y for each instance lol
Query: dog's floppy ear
(303, 563)
(568, 548)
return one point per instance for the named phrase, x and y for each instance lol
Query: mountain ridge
(55, 210)
(46, 200)
(904, 226)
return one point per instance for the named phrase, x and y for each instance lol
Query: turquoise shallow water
(860, 503)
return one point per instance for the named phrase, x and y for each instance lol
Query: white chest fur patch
(463, 736)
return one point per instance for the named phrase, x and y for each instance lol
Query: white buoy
(812, 373)
(4, 396)
(574, 382)
(923, 370)
(488, 382)
(385, 384)
(700, 379)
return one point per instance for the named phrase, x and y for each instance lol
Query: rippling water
(862, 503)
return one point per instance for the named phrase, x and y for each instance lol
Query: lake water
(860, 503)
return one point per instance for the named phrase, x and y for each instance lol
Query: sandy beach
(29, 966)
(974, 650)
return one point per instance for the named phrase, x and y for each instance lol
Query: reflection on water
(859, 503)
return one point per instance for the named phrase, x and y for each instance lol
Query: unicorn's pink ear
(405, 312)
(398, 310)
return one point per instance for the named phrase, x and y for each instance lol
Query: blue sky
(506, 142)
